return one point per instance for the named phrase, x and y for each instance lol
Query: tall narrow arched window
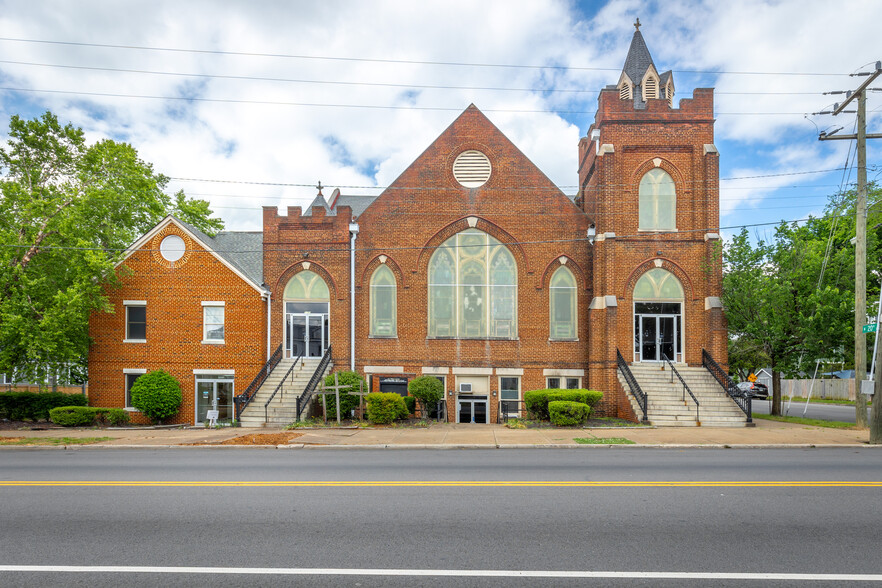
(384, 308)
(472, 288)
(562, 302)
(658, 201)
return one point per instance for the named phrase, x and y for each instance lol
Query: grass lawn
(52, 440)
(599, 441)
(804, 421)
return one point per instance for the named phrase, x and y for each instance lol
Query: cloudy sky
(265, 98)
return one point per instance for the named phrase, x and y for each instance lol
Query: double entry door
(214, 392)
(471, 409)
(658, 336)
(306, 334)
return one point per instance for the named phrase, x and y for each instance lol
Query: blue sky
(267, 98)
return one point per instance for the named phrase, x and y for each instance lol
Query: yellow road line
(454, 483)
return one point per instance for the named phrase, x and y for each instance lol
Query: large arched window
(473, 288)
(658, 284)
(306, 285)
(658, 201)
(383, 303)
(562, 300)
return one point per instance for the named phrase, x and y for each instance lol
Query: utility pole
(860, 262)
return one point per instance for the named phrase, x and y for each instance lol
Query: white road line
(802, 577)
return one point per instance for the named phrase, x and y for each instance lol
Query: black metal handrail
(685, 387)
(507, 407)
(279, 387)
(242, 400)
(635, 388)
(744, 402)
(303, 399)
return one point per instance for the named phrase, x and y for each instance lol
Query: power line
(391, 61)
(349, 83)
(333, 105)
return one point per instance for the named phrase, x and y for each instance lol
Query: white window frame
(137, 303)
(566, 380)
(127, 399)
(574, 305)
(375, 290)
(519, 390)
(654, 202)
(205, 324)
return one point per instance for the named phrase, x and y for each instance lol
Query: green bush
(20, 406)
(428, 390)
(568, 414)
(83, 416)
(410, 403)
(157, 395)
(537, 401)
(347, 401)
(385, 407)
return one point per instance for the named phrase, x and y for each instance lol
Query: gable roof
(242, 252)
(638, 59)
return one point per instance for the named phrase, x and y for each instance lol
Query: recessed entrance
(471, 409)
(306, 315)
(658, 317)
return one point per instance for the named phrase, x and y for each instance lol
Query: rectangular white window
(131, 376)
(136, 321)
(212, 322)
(563, 383)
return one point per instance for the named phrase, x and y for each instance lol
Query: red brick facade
(518, 205)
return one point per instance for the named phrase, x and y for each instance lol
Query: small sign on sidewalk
(212, 415)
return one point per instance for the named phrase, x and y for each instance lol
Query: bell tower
(649, 180)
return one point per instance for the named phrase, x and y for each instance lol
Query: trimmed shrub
(385, 407)
(410, 403)
(537, 401)
(428, 390)
(20, 406)
(347, 401)
(568, 414)
(83, 416)
(157, 394)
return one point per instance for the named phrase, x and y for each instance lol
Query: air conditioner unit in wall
(465, 388)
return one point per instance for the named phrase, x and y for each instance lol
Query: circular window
(471, 169)
(172, 248)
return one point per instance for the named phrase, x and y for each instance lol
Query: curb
(460, 446)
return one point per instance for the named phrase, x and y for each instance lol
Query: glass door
(315, 340)
(648, 338)
(667, 336)
(472, 409)
(295, 344)
(306, 334)
(214, 392)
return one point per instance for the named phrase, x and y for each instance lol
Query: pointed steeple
(640, 78)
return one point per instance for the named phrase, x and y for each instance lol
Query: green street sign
(871, 328)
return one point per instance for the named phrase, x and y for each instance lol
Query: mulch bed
(6, 425)
(261, 439)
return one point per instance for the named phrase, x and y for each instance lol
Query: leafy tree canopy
(67, 212)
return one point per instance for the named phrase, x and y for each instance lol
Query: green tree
(157, 394)
(68, 210)
(428, 391)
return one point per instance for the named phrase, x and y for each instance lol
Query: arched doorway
(307, 315)
(658, 317)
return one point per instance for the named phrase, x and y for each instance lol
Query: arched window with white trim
(562, 302)
(383, 309)
(658, 201)
(473, 288)
(658, 317)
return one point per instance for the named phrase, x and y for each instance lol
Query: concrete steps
(666, 406)
(282, 411)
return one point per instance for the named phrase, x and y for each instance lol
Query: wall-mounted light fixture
(592, 232)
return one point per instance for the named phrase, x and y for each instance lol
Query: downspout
(353, 234)
(269, 300)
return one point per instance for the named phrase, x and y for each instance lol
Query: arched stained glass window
(658, 201)
(306, 285)
(562, 300)
(384, 307)
(658, 284)
(472, 288)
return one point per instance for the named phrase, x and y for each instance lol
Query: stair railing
(290, 373)
(685, 387)
(635, 388)
(744, 402)
(309, 391)
(242, 400)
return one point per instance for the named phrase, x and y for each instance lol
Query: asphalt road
(328, 517)
(826, 412)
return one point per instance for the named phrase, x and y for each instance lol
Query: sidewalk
(454, 436)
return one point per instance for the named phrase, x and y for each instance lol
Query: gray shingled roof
(638, 59)
(241, 249)
(358, 204)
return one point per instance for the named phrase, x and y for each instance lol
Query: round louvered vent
(471, 169)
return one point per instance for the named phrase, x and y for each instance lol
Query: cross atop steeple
(637, 24)
(319, 187)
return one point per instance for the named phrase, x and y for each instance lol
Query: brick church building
(472, 266)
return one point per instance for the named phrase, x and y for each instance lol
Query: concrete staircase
(283, 409)
(665, 405)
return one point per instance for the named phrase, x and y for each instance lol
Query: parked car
(754, 390)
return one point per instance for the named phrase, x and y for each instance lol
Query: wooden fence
(826, 388)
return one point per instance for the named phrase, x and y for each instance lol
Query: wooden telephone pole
(860, 262)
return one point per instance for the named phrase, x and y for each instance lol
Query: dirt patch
(6, 425)
(262, 439)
